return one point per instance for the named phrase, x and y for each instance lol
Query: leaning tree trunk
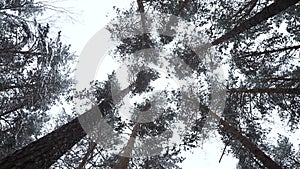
(88, 153)
(268, 12)
(258, 153)
(42, 153)
(266, 90)
(124, 160)
(45, 151)
(257, 53)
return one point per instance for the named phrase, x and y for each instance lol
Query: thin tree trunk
(12, 110)
(282, 79)
(124, 160)
(266, 90)
(16, 86)
(87, 155)
(142, 13)
(258, 153)
(249, 5)
(182, 6)
(4, 51)
(271, 51)
(171, 22)
(268, 12)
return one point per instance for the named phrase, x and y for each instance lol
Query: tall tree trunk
(4, 51)
(182, 6)
(270, 51)
(43, 152)
(290, 79)
(87, 155)
(171, 22)
(266, 90)
(20, 106)
(124, 160)
(268, 12)
(16, 86)
(258, 153)
(142, 13)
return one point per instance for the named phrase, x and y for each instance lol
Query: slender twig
(223, 152)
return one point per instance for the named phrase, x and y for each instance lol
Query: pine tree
(34, 73)
(238, 98)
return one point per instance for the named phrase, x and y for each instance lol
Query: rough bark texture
(268, 12)
(259, 154)
(42, 153)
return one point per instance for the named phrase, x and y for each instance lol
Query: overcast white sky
(92, 15)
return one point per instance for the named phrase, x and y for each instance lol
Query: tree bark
(45, 151)
(87, 155)
(266, 90)
(12, 110)
(182, 6)
(142, 13)
(268, 12)
(270, 51)
(16, 86)
(42, 153)
(3, 51)
(124, 160)
(258, 153)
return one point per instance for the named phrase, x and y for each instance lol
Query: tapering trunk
(142, 13)
(87, 155)
(290, 79)
(42, 153)
(16, 86)
(258, 153)
(268, 12)
(124, 160)
(45, 151)
(12, 110)
(250, 5)
(270, 51)
(4, 51)
(266, 90)
(171, 21)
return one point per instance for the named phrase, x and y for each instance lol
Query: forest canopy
(194, 71)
